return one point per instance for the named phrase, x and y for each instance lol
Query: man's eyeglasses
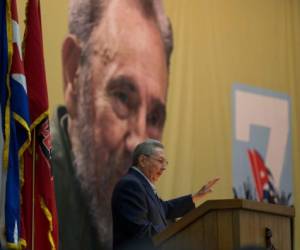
(160, 160)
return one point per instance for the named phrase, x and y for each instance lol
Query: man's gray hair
(84, 15)
(147, 147)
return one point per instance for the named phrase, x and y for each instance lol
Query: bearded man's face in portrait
(116, 98)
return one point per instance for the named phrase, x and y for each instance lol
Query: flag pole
(33, 192)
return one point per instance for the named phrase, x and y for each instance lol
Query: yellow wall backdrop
(217, 43)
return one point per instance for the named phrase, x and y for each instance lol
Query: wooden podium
(230, 224)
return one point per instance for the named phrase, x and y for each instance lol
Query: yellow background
(217, 43)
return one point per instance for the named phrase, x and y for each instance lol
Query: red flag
(39, 218)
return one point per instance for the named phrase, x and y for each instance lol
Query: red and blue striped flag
(27, 206)
(15, 125)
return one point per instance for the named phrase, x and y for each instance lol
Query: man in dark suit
(138, 213)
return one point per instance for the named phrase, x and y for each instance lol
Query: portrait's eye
(120, 101)
(153, 119)
(156, 117)
(123, 96)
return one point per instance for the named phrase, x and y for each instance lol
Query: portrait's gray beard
(97, 178)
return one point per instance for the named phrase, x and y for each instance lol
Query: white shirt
(151, 184)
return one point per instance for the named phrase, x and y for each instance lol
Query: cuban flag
(264, 181)
(15, 125)
(3, 100)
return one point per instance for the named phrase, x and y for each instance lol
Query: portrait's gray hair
(147, 147)
(84, 15)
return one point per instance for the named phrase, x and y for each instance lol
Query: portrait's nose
(137, 131)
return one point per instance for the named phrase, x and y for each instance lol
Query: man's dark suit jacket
(138, 213)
